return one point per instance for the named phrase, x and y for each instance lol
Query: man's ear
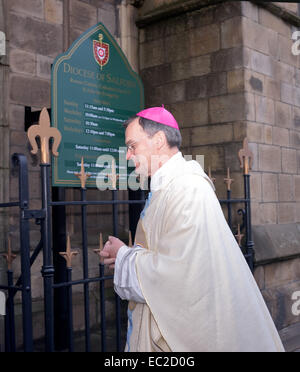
(160, 139)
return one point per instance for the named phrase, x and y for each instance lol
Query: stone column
(129, 33)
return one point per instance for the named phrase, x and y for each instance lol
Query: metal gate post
(45, 132)
(48, 268)
(246, 159)
(60, 274)
(249, 241)
(20, 159)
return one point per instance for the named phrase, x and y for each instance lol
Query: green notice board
(94, 90)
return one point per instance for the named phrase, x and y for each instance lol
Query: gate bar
(85, 272)
(249, 241)
(20, 159)
(48, 268)
(10, 332)
(117, 298)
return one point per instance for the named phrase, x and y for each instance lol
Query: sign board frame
(129, 89)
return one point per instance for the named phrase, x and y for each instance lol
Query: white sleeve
(125, 278)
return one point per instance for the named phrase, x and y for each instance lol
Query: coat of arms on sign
(101, 51)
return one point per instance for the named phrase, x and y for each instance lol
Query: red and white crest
(101, 51)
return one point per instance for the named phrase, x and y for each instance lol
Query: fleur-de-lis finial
(246, 157)
(82, 175)
(239, 236)
(97, 251)
(45, 132)
(9, 256)
(68, 254)
(210, 176)
(228, 180)
(113, 175)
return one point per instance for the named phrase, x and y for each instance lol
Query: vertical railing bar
(229, 209)
(26, 286)
(48, 268)
(70, 310)
(25, 253)
(117, 298)
(85, 272)
(249, 241)
(102, 310)
(10, 332)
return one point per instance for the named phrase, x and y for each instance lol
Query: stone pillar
(129, 33)
(4, 135)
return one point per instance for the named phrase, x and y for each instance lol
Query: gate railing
(23, 284)
(43, 218)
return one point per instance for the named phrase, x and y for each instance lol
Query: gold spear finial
(97, 251)
(9, 256)
(113, 176)
(210, 176)
(45, 132)
(228, 180)
(100, 38)
(246, 157)
(68, 254)
(82, 175)
(239, 236)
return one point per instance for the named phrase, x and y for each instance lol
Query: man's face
(140, 148)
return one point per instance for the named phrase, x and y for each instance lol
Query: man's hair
(151, 127)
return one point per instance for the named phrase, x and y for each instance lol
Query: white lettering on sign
(2, 44)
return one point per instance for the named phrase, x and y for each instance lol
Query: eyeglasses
(132, 147)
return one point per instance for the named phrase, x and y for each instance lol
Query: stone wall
(37, 32)
(189, 64)
(227, 72)
(40, 30)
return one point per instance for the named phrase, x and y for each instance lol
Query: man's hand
(110, 251)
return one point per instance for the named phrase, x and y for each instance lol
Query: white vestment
(191, 288)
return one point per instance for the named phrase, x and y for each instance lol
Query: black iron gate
(23, 284)
(52, 284)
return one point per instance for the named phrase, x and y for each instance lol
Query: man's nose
(128, 154)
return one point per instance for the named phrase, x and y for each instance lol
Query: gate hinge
(37, 214)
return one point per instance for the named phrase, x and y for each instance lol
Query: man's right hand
(110, 251)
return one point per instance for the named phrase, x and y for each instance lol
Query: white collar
(158, 178)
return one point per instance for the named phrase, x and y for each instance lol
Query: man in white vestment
(188, 285)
